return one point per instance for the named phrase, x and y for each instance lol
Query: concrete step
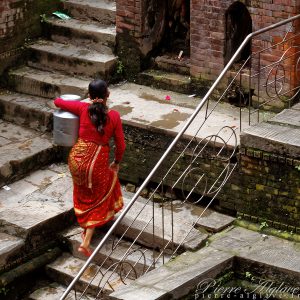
(70, 59)
(171, 63)
(166, 80)
(88, 34)
(22, 151)
(29, 111)
(53, 292)
(36, 207)
(138, 256)
(66, 267)
(46, 84)
(103, 11)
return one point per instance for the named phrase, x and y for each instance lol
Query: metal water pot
(65, 124)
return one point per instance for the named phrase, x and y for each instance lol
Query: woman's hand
(115, 167)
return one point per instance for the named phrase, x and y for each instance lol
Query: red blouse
(88, 131)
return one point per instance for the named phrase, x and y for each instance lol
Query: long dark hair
(98, 110)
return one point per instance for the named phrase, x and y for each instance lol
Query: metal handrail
(171, 146)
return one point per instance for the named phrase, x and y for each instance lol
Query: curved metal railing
(256, 84)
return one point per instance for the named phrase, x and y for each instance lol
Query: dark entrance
(238, 25)
(177, 30)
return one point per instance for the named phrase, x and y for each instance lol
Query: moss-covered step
(166, 80)
(89, 34)
(46, 84)
(103, 11)
(70, 59)
(171, 63)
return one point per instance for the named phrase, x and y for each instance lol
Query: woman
(97, 193)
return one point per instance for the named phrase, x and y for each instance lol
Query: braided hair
(97, 111)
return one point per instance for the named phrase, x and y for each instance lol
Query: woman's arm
(71, 106)
(119, 140)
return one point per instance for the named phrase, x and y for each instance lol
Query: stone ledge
(277, 139)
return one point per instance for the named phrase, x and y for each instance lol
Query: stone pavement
(148, 107)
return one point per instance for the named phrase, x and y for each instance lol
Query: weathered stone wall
(264, 186)
(20, 23)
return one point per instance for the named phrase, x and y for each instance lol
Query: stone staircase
(74, 51)
(139, 260)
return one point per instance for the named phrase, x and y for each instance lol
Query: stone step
(36, 207)
(22, 151)
(46, 84)
(166, 80)
(11, 246)
(171, 63)
(103, 11)
(89, 34)
(70, 59)
(53, 292)
(134, 255)
(179, 278)
(66, 267)
(184, 218)
(25, 110)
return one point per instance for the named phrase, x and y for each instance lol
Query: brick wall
(135, 37)
(207, 30)
(19, 23)
(10, 13)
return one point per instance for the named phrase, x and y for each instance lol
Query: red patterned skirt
(97, 192)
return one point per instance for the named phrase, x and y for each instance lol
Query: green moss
(129, 54)
(268, 231)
